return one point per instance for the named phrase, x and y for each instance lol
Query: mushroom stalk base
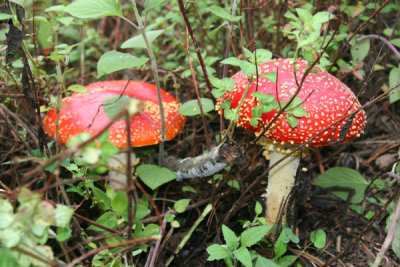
(280, 183)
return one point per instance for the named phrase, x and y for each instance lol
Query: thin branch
(375, 36)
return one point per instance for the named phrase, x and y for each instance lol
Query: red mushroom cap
(84, 112)
(325, 99)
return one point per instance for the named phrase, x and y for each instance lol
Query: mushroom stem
(280, 183)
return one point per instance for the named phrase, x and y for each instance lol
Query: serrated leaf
(231, 240)
(299, 112)
(114, 61)
(262, 55)
(346, 177)
(120, 201)
(253, 235)
(223, 13)
(101, 198)
(360, 50)
(94, 8)
(138, 41)
(217, 252)
(243, 255)
(154, 176)
(248, 68)
(191, 107)
(181, 205)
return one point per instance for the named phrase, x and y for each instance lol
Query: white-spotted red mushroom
(326, 101)
(84, 113)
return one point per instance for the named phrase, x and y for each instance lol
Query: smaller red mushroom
(84, 113)
(323, 101)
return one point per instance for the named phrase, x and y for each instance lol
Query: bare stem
(155, 71)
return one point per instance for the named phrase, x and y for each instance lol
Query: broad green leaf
(264, 262)
(217, 252)
(248, 68)
(90, 9)
(270, 76)
(280, 246)
(299, 112)
(346, 177)
(223, 13)
(10, 237)
(321, 17)
(226, 84)
(6, 213)
(181, 205)
(191, 107)
(253, 235)
(230, 237)
(154, 176)
(4, 16)
(262, 55)
(101, 198)
(114, 61)
(77, 88)
(63, 215)
(113, 105)
(360, 50)
(394, 80)
(120, 201)
(395, 42)
(243, 255)
(318, 238)
(108, 219)
(63, 234)
(138, 41)
(304, 15)
(233, 61)
(7, 258)
(287, 261)
(293, 122)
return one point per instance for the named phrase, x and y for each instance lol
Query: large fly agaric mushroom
(325, 100)
(84, 112)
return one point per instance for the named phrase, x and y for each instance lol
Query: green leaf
(6, 213)
(304, 15)
(63, 234)
(114, 61)
(4, 16)
(395, 42)
(217, 252)
(262, 56)
(226, 84)
(191, 107)
(230, 114)
(287, 261)
(346, 177)
(360, 50)
(299, 111)
(154, 176)
(320, 18)
(63, 215)
(138, 41)
(10, 237)
(243, 255)
(394, 80)
(7, 258)
(230, 237)
(264, 262)
(270, 76)
(113, 105)
(293, 122)
(77, 88)
(120, 201)
(253, 235)
(233, 61)
(280, 246)
(181, 205)
(101, 198)
(108, 219)
(318, 238)
(223, 13)
(258, 208)
(248, 68)
(94, 8)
